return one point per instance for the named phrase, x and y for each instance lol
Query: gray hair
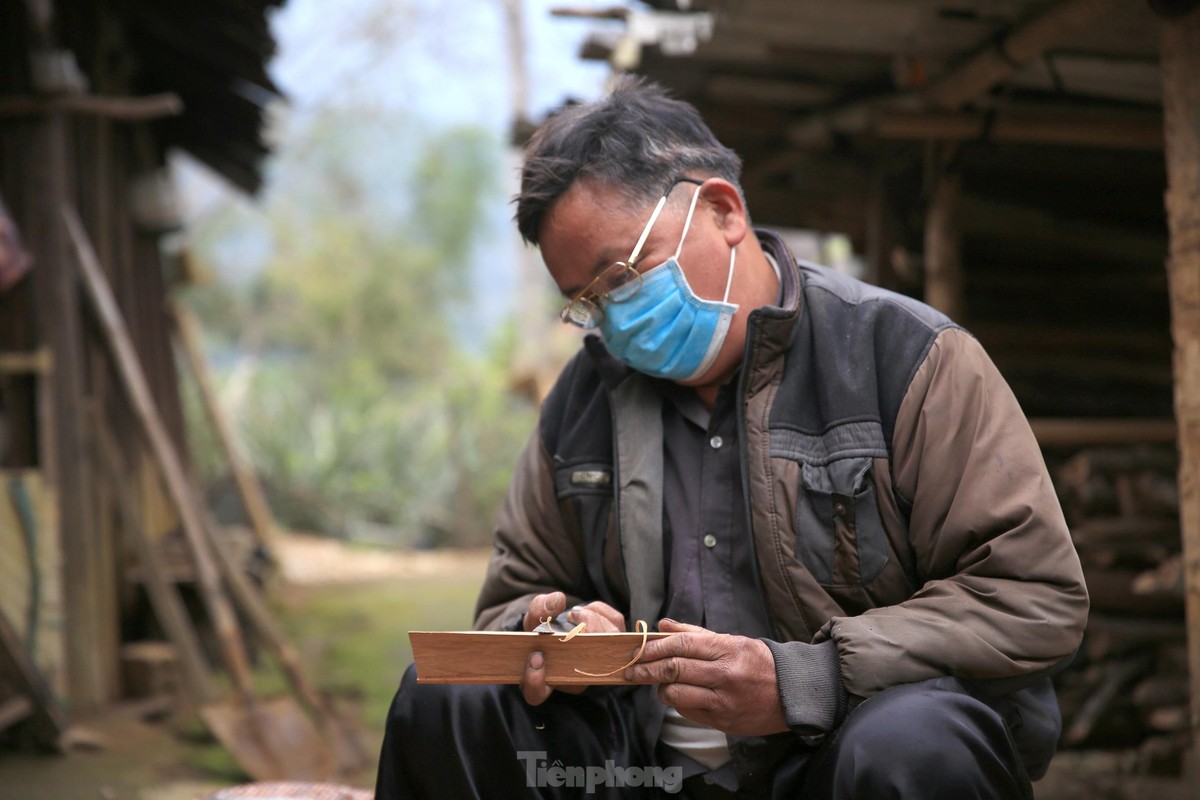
(636, 138)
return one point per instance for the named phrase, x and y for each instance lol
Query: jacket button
(716, 442)
(839, 509)
(710, 541)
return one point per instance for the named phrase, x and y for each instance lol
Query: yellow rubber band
(645, 631)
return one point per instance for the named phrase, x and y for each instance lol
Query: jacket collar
(769, 328)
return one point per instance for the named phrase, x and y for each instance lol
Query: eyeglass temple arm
(637, 248)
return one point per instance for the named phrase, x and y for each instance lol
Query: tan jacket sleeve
(532, 553)
(1004, 595)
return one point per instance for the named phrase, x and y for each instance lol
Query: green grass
(354, 639)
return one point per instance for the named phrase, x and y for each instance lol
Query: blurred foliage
(342, 359)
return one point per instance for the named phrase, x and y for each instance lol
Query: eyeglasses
(586, 309)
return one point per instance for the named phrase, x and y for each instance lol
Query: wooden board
(500, 656)
(17, 573)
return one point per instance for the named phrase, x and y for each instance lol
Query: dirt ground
(346, 609)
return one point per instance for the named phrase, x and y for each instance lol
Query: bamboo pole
(249, 488)
(161, 446)
(272, 742)
(1181, 101)
(343, 739)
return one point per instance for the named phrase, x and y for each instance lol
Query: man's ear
(727, 206)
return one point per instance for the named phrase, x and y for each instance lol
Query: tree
(365, 411)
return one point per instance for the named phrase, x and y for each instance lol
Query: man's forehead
(590, 227)
(599, 194)
(596, 213)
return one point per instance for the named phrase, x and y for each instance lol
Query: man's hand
(726, 682)
(599, 617)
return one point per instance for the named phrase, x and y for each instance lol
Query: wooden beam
(989, 66)
(1076, 128)
(615, 12)
(126, 109)
(1181, 99)
(36, 362)
(775, 93)
(1065, 432)
(1127, 79)
(996, 61)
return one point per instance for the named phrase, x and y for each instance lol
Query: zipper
(743, 443)
(616, 501)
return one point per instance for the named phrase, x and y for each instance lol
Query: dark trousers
(927, 740)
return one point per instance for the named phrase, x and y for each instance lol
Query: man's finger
(668, 625)
(599, 617)
(695, 643)
(693, 702)
(533, 680)
(542, 606)
(667, 670)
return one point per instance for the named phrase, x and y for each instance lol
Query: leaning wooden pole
(1181, 116)
(249, 489)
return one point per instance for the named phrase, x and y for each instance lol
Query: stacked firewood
(1128, 686)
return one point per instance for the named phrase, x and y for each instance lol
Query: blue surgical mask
(660, 326)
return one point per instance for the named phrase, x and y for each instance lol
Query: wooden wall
(87, 161)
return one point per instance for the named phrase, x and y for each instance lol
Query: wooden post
(882, 232)
(249, 489)
(943, 261)
(1181, 113)
(60, 324)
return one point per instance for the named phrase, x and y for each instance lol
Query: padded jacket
(902, 517)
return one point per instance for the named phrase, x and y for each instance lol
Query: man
(825, 490)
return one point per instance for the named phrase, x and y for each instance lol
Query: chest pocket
(585, 499)
(839, 534)
(585, 494)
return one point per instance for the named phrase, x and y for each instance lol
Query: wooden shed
(93, 97)
(1006, 161)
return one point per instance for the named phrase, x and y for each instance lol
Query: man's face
(592, 226)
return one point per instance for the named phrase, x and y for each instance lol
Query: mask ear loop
(729, 283)
(687, 224)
